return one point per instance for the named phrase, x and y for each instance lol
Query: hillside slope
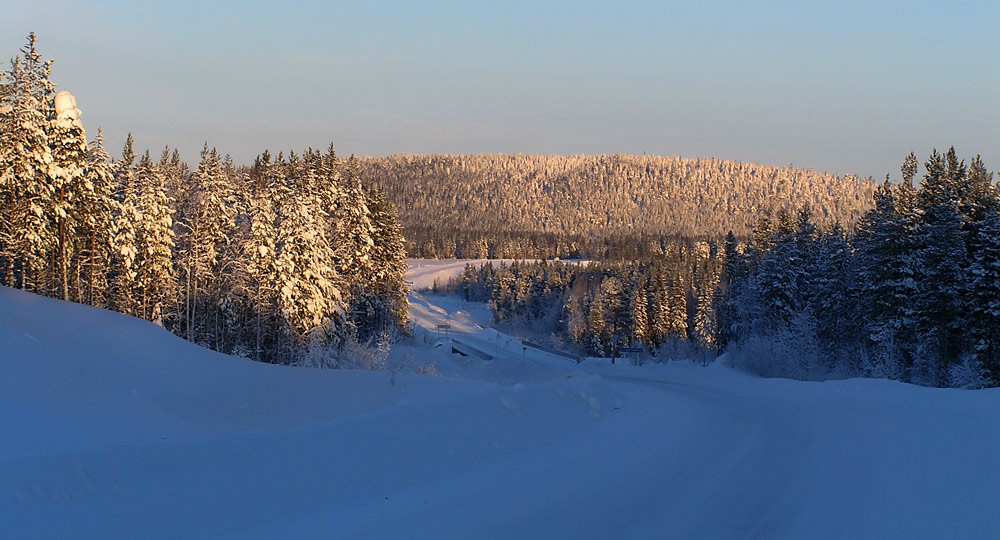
(606, 195)
(113, 428)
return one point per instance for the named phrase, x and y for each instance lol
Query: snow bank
(111, 427)
(114, 427)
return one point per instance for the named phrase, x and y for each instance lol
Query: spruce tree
(576, 319)
(260, 263)
(678, 310)
(660, 321)
(731, 284)
(704, 331)
(639, 306)
(210, 207)
(886, 265)
(597, 327)
(26, 238)
(388, 280)
(97, 229)
(155, 242)
(984, 306)
(125, 234)
(831, 301)
(71, 189)
(777, 281)
(941, 256)
(354, 230)
(307, 282)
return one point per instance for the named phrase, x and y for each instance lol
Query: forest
(291, 260)
(529, 206)
(911, 292)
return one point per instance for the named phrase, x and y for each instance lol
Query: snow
(65, 105)
(111, 427)
(423, 273)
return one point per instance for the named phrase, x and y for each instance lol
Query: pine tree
(388, 281)
(125, 240)
(502, 298)
(982, 195)
(776, 283)
(885, 263)
(26, 238)
(806, 255)
(354, 230)
(71, 188)
(96, 211)
(616, 312)
(831, 302)
(704, 331)
(638, 309)
(155, 241)
(660, 321)
(308, 284)
(678, 318)
(597, 328)
(260, 264)
(984, 305)
(731, 285)
(210, 206)
(941, 255)
(909, 168)
(576, 319)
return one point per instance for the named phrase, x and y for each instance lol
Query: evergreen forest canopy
(532, 206)
(291, 260)
(913, 294)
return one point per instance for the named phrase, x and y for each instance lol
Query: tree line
(913, 294)
(429, 242)
(664, 303)
(910, 293)
(293, 259)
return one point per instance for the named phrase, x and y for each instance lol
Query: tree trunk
(90, 267)
(258, 309)
(63, 267)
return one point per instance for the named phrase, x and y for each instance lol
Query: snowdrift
(112, 428)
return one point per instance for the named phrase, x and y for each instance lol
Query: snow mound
(65, 105)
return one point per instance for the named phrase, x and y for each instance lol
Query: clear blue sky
(839, 86)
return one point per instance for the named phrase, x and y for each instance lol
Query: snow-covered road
(713, 453)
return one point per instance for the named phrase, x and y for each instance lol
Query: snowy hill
(113, 428)
(603, 195)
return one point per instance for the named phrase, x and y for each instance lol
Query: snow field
(114, 428)
(423, 273)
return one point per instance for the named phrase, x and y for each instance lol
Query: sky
(844, 87)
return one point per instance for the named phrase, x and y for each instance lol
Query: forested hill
(606, 195)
